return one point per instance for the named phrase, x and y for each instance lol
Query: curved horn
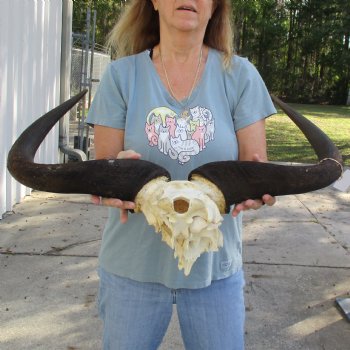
(241, 180)
(115, 178)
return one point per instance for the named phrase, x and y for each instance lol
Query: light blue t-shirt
(131, 96)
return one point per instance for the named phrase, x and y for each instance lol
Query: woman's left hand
(254, 203)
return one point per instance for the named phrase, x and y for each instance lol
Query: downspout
(66, 55)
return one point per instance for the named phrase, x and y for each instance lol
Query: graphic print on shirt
(180, 136)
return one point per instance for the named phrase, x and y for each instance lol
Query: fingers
(268, 200)
(128, 154)
(123, 216)
(95, 199)
(246, 205)
(257, 158)
(124, 206)
(253, 204)
(113, 202)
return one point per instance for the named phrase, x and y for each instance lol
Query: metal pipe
(85, 80)
(92, 53)
(66, 59)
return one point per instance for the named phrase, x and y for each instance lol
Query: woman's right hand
(124, 206)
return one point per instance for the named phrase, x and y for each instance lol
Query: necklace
(194, 81)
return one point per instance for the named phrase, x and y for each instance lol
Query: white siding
(30, 51)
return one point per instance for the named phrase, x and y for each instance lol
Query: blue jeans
(136, 315)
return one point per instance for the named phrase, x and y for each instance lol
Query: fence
(80, 74)
(100, 62)
(30, 41)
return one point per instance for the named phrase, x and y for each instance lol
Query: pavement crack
(322, 225)
(46, 254)
(296, 265)
(56, 250)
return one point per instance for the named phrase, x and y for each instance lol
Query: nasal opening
(181, 205)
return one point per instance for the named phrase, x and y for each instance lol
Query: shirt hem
(167, 284)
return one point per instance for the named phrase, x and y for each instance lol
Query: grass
(287, 143)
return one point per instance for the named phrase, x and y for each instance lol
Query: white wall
(30, 51)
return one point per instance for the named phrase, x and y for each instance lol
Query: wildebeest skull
(187, 213)
(186, 216)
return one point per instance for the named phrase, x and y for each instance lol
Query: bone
(187, 218)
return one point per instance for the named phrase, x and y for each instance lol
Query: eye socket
(181, 205)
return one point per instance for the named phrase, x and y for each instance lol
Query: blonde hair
(138, 29)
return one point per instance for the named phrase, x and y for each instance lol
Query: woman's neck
(180, 68)
(179, 53)
(180, 46)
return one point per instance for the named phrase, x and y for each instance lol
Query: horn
(114, 178)
(241, 180)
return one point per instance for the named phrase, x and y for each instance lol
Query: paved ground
(297, 261)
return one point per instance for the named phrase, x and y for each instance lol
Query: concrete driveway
(297, 261)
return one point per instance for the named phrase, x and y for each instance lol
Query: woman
(177, 81)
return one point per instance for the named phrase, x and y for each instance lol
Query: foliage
(300, 47)
(107, 13)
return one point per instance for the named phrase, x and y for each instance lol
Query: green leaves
(108, 12)
(301, 48)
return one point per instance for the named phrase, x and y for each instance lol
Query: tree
(108, 12)
(300, 47)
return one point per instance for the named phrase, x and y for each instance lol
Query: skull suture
(187, 218)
